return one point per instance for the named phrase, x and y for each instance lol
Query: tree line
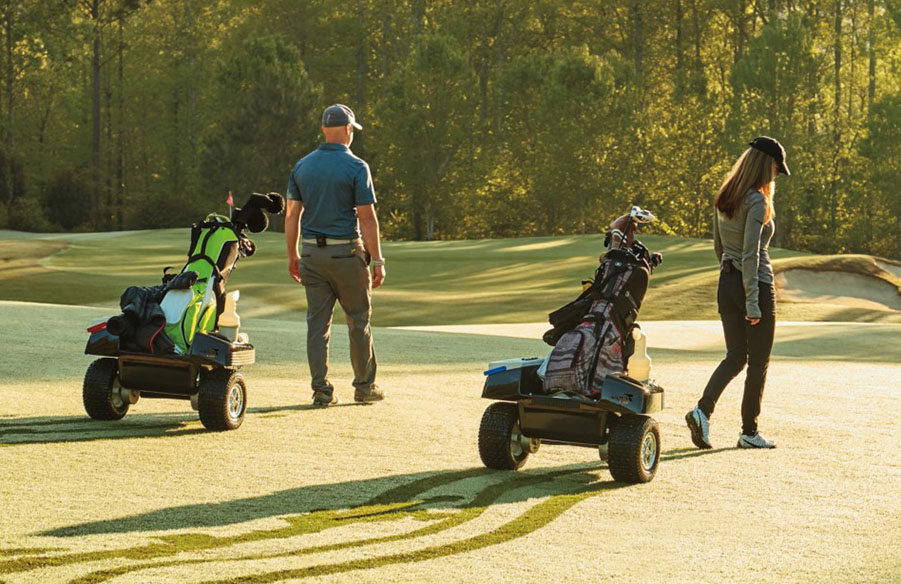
(482, 118)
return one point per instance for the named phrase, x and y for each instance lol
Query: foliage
(483, 118)
(68, 199)
(267, 113)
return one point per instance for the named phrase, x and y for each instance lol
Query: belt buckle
(320, 241)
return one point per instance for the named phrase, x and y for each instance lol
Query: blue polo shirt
(330, 182)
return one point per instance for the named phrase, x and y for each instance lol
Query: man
(331, 198)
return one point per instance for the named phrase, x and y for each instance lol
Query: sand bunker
(890, 267)
(832, 287)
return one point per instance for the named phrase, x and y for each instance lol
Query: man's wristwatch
(378, 262)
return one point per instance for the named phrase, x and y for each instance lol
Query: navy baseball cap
(772, 147)
(339, 115)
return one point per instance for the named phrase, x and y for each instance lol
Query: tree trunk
(483, 97)
(499, 39)
(418, 18)
(813, 84)
(95, 113)
(109, 211)
(10, 103)
(360, 106)
(361, 56)
(191, 97)
(638, 42)
(697, 66)
(176, 143)
(680, 61)
(120, 148)
(42, 131)
(417, 221)
(837, 50)
(833, 187)
(871, 50)
(853, 64)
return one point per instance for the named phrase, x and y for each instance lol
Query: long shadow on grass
(342, 495)
(423, 497)
(439, 501)
(58, 429)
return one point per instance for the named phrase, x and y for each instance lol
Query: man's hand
(292, 235)
(378, 276)
(752, 321)
(294, 268)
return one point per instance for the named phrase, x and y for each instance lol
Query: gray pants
(330, 273)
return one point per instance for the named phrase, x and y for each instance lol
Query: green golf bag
(164, 319)
(214, 251)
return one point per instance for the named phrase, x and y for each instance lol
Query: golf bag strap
(202, 255)
(207, 259)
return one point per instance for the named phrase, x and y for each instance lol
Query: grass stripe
(368, 513)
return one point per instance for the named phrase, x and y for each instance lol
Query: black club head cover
(256, 222)
(276, 203)
(257, 200)
(251, 214)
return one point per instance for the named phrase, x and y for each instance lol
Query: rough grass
(396, 492)
(429, 283)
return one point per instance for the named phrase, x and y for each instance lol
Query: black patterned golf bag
(592, 336)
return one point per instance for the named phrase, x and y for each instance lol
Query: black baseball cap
(772, 147)
(339, 115)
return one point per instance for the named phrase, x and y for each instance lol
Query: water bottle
(640, 361)
(229, 321)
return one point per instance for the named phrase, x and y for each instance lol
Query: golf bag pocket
(575, 357)
(188, 311)
(582, 357)
(563, 363)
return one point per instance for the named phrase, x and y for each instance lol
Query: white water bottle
(640, 361)
(229, 321)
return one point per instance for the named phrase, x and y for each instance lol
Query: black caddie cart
(617, 423)
(189, 348)
(208, 376)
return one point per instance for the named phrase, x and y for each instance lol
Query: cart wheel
(100, 392)
(634, 448)
(222, 399)
(501, 443)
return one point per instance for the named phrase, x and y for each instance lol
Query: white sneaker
(700, 428)
(755, 441)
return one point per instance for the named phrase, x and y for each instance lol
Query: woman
(742, 228)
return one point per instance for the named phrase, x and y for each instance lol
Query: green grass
(396, 492)
(438, 282)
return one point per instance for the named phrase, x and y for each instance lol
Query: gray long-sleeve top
(743, 240)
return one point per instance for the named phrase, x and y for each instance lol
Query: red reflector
(97, 328)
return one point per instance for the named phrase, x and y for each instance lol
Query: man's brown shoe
(373, 395)
(322, 399)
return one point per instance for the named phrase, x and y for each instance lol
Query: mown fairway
(438, 282)
(396, 491)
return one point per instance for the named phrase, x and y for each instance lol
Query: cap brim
(356, 125)
(783, 168)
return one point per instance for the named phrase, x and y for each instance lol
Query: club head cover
(257, 200)
(276, 203)
(257, 222)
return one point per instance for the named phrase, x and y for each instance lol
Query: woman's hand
(752, 321)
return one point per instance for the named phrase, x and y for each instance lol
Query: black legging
(745, 344)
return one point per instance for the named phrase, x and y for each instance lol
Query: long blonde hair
(752, 170)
